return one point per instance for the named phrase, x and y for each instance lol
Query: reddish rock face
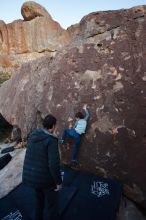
(103, 66)
(25, 40)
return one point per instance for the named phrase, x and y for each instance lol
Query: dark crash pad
(4, 160)
(84, 196)
(7, 150)
(19, 204)
(97, 197)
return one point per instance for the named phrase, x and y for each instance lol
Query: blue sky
(66, 12)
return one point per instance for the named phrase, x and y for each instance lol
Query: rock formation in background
(31, 10)
(25, 40)
(102, 65)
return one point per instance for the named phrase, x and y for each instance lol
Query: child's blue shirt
(81, 124)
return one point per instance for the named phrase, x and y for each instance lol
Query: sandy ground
(11, 174)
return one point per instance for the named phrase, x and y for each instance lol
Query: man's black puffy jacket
(42, 163)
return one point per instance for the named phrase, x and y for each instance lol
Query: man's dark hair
(79, 115)
(49, 121)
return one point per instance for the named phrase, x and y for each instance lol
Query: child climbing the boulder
(78, 129)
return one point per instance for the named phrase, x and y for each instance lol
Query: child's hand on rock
(85, 107)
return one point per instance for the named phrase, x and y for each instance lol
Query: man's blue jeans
(76, 141)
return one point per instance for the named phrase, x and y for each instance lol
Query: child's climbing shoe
(62, 141)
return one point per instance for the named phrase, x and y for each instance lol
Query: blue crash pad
(97, 197)
(19, 204)
(84, 196)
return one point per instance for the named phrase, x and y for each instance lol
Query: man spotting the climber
(41, 169)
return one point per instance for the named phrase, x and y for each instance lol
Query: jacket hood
(38, 135)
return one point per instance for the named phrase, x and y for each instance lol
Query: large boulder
(129, 211)
(103, 66)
